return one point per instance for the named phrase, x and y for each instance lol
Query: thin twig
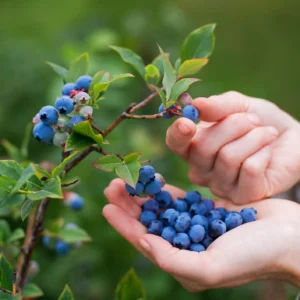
(143, 117)
(97, 128)
(5, 291)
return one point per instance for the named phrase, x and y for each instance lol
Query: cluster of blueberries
(190, 223)
(52, 124)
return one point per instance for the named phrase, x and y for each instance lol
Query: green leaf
(7, 296)
(16, 235)
(26, 208)
(98, 90)
(181, 86)
(56, 226)
(11, 169)
(76, 142)
(132, 157)
(177, 64)
(85, 129)
(56, 171)
(51, 189)
(152, 75)
(107, 163)
(6, 274)
(131, 58)
(120, 76)
(26, 139)
(12, 150)
(75, 235)
(26, 174)
(79, 67)
(160, 93)
(97, 79)
(130, 287)
(7, 200)
(192, 66)
(66, 294)
(5, 231)
(71, 182)
(61, 71)
(199, 44)
(31, 290)
(169, 78)
(97, 87)
(158, 62)
(170, 103)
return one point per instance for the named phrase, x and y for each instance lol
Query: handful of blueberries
(190, 223)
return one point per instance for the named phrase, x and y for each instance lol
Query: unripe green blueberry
(185, 99)
(60, 138)
(82, 99)
(86, 112)
(62, 124)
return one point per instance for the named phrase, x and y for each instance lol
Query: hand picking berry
(190, 112)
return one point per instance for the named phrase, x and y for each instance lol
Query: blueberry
(62, 248)
(185, 213)
(197, 233)
(155, 227)
(209, 204)
(248, 214)
(77, 203)
(170, 217)
(86, 112)
(207, 241)
(46, 241)
(49, 115)
(70, 226)
(168, 234)
(180, 205)
(64, 105)
(192, 197)
(62, 124)
(223, 212)
(182, 223)
(200, 220)
(190, 112)
(146, 174)
(147, 217)
(139, 188)
(167, 114)
(232, 220)
(60, 138)
(150, 205)
(164, 199)
(185, 99)
(153, 187)
(197, 247)
(43, 133)
(82, 99)
(75, 120)
(161, 215)
(216, 228)
(67, 88)
(213, 215)
(181, 241)
(198, 209)
(83, 83)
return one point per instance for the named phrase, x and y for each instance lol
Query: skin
(244, 149)
(265, 249)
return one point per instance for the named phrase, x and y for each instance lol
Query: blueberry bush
(27, 186)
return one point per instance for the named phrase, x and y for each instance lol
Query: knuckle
(251, 167)
(227, 157)
(164, 265)
(196, 178)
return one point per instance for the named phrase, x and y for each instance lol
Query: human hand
(246, 149)
(265, 249)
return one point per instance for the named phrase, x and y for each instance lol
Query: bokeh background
(257, 53)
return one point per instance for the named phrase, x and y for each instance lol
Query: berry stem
(143, 117)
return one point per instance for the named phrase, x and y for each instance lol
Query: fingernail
(145, 245)
(184, 130)
(273, 131)
(253, 118)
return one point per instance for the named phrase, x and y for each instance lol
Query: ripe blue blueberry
(190, 112)
(209, 204)
(43, 133)
(197, 233)
(223, 212)
(181, 241)
(146, 174)
(170, 217)
(182, 223)
(198, 209)
(248, 214)
(82, 99)
(168, 234)
(76, 203)
(150, 205)
(49, 115)
(62, 248)
(161, 215)
(164, 199)
(46, 241)
(200, 220)
(139, 188)
(216, 228)
(155, 227)
(192, 197)
(197, 247)
(64, 105)
(207, 240)
(67, 88)
(213, 215)
(83, 83)
(167, 114)
(232, 220)
(147, 217)
(75, 120)
(185, 213)
(180, 205)
(153, 187)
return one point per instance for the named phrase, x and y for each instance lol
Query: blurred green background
(257, 53)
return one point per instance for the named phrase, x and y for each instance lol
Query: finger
(231, 157)
(179, 136)
(216, 108)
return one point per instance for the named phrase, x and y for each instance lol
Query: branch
(143, 117)
(97, 128)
